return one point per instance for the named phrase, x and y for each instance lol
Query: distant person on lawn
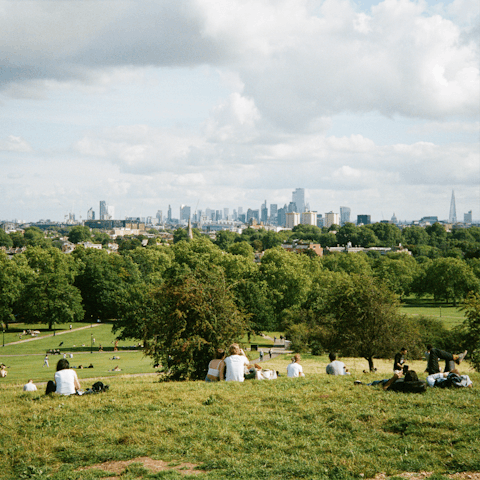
(335, 367)
(294, 369)
(30, 386)
(66, 380)
(235, 364)
(399, 361)
(450, 359)
(216, 367)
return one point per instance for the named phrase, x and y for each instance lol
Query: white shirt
(65, 381)
(29, 387)
(294, 370)
(336, 368)
(236, 368)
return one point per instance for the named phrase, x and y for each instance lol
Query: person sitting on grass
(30, 386)
(235, 364)
(449, 379)
(450, 359)
(66, 380)
(3, 371)
(215, 367)
(294, 369)
(335, 367)
(399, 361)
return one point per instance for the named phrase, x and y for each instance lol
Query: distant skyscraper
(308, 218)
(110, 212)
(344, 215)
(159, 216)
(320, 220)
(90, 214)
(452, 218)
(169, 214)
(103, 210)
(364, 219)
(298, 197)
(184, 213)
(467, 217)
(225, 213)
(264, 213)
(273, 213)
(282, 216)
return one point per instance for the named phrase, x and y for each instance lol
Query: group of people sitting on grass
(406, 380)
(236, 367)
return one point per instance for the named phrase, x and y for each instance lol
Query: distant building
(394, 220)
(300, 247)
(320, 220)
(103, 210)
(169, 214)
(364, 219)
(344, 215)
(331, 219)
(428, 220)
(159, 216)
(184, 213)
(308, 218)
(282, 216)
(452, 218)
(273, 213)
(298, 198)
(90, 214)
(467, 217)
(292, 219)
(264, 213)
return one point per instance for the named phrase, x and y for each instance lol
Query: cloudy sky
(226, 103)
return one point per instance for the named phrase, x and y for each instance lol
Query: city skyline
(373, 105)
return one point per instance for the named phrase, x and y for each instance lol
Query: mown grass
(315, 428)
(451, 316)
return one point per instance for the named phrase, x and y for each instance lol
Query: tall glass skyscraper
(344, 215)
(298, 197)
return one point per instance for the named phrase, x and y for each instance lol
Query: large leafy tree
(49, 295)
(184, 321)
(361, 317)
(398, 271)
(450, 279)
(79, 234)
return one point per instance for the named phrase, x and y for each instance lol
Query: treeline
(185, 300)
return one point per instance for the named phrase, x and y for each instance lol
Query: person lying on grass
(449, 379)
(450, 359)
(66, 380)
(400, 383)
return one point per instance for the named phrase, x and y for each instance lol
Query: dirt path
(32, 339)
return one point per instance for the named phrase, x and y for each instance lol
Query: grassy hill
(315, 428)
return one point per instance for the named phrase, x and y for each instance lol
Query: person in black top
(399, 361)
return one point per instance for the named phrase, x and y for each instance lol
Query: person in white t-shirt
(235, 364)
(294, 369)
(335, 367)
(66, 380)
(30, 386)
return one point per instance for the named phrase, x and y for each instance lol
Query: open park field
(317, 427)
(450, 316)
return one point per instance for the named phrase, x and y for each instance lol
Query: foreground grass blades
(315, 428)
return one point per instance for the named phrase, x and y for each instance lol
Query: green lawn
(450, 315)
(319, 427)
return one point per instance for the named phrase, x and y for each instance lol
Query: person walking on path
(270, 353)
(261, 355)
(45, 362)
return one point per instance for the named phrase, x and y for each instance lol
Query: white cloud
(15, 144)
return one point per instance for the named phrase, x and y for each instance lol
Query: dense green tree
(242, 248)
(472, 328)
(185, 320)
(18, 239)
(414, 235)
(5, 239)
(152, 262)
(388, 235)
(35, 237)
(363, 317)
(79, 234)
(437, 235)
(13, 276)
(102, 237)
(103, 281)
(449, 279)
(348, 233)
(224, 239)
(366, 237)
(49, 295)
(358, 263)
(398, 271)
(182, 234)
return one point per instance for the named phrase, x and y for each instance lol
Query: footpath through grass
(318, 427)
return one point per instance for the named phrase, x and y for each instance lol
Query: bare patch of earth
(426, 475)
(118, 467)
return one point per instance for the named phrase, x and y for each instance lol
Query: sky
(227, 103)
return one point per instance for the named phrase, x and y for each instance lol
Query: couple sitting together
(235, 368)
